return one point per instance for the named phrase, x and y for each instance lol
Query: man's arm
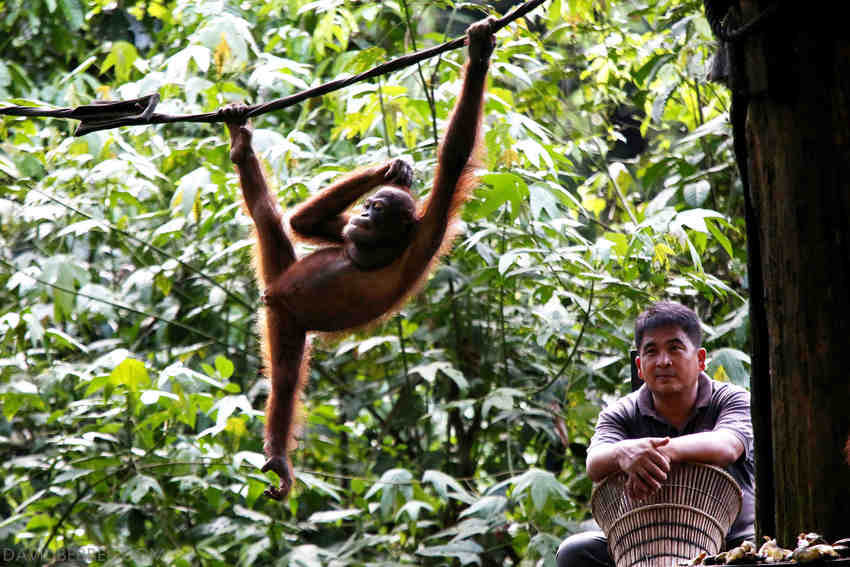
(641, 457)
(646, 461)
(720, 447)
(723, 445)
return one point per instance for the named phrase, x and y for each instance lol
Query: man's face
(668, 362)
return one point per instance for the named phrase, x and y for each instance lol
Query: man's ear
(640, 371)
(701, 358)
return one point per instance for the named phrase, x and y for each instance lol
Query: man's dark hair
(668, 313)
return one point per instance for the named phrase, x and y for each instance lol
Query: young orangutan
(372, 262)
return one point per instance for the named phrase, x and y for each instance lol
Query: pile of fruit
(810, 547)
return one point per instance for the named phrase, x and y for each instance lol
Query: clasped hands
(646, 464)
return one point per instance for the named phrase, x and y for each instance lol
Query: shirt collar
(646, 406)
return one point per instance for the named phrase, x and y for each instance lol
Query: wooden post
(798, 143)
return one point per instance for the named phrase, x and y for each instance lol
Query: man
(679, 414)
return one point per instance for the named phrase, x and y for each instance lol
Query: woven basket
(689, 514)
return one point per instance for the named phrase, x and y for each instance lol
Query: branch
(572, 354)
(140, 111)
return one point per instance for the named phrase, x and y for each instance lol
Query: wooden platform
(820, 563)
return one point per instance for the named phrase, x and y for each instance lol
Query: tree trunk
(798, 142)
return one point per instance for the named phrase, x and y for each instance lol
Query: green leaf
(366, 345)
(429, 373)
(83, 227)
(224, 408)
(536, 154)
(333, 516)
(731, 361)
(131, 373)
(412, 509)
(542, 485)
(79, 69)
(695, 219)
(149, 397)
(138, 487)
(395, 484)
(177, 68)
(73, 13)
(621, 242)
(500, 398)
(34, 328)
(621, 176)
(542, 200)
(695, 194)
(308, 555)
(487, 508)
(650, 69)
(322, 487)
(8, 167)
(466, 551)
(224, 367)
(695, 258)
(254, 517)
(442, 482)
(189, 190)
(719, 236)
(121, 57)
(15, 399)
(501, 188)
(661, 97)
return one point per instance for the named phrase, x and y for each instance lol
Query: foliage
(131, 424)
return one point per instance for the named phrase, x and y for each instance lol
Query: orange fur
(328, 291)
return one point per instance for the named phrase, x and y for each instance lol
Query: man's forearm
(634, 456)
(645, 456)
(602, 461)
(720, 447)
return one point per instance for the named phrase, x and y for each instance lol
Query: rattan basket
(691, 513)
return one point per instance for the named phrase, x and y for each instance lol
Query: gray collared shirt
(719, 405)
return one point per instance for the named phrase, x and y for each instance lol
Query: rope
(103, 116)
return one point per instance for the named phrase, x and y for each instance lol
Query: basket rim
(598, 486)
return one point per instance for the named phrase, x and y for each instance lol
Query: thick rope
(103, 116)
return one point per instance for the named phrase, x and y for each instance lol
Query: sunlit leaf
(487, 507)
(730, 362)
(542, 486)
(500, 398)
(139, 486)
(131, 373)
(503, 187)
(121, 57)
(332, 516)
(224, 367)
(466, 551)
(73, 12)
(443, 482)
(412, 510)
(696, 193)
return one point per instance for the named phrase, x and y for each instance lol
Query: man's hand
(645, 464)
(479, 37)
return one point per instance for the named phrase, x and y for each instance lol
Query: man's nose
(663, 359)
